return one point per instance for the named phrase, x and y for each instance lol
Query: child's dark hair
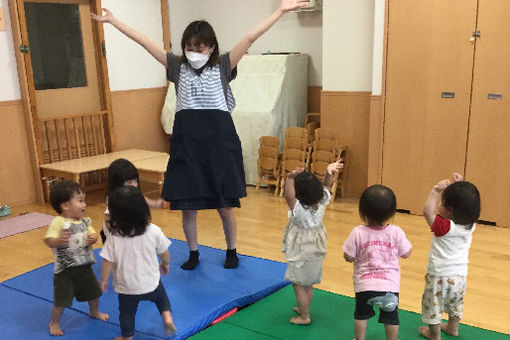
(200, 32)
(463, 199)
(377, 205)
(120, 171)
(62, 192)
(129, 212)
(309, 190)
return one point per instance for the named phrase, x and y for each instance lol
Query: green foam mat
(332, 318)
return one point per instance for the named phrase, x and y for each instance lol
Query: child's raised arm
(331, 170)
(244, 44)
(429, 210)
(290, 191)
(152, 47)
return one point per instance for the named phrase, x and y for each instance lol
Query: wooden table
(150, 163)
(154, 167)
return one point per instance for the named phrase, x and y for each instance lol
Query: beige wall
(348, 114)
(136, 119)
(16, 176)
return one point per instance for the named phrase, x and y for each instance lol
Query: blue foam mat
(197, 297)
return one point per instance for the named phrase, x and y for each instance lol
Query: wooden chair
(74, 136)
(310, 131)
(268, 163)
(297, 138)
(291, 159)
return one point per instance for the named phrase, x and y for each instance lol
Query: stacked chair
(296, 152)
(268, 163)
(311, 148)
(325, 151)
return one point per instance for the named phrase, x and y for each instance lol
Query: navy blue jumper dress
(205, 170)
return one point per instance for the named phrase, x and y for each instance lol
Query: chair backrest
(269, 141)
(268, 164)
(323, 156)
(268, 152)
(289, 165)
(73, 136)
(295, 132)
(324, 145)
(318, 168)
(296, 154)
(324, 133)
(295, 143)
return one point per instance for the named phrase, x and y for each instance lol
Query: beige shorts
(443, 294)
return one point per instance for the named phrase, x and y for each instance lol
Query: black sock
(192, 261)
(231, 261)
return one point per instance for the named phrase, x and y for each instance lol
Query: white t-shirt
(308, 218)
(135, 260)
(449, 249)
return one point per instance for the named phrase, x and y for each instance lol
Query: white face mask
(197, 60)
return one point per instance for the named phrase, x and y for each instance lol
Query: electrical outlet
(2, 19)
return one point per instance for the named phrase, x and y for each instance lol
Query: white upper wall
(378, 50)
(294, 32)
(129, 65)
(348, 45)
(344, 41)
(9, 83)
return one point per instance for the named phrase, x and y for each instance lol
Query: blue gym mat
(198, 297)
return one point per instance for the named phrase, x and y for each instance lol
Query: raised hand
(106, 17)
(442, 185)
(289, 5)
(457, 177)
(335, 167)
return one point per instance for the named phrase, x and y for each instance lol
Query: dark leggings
(128, 305)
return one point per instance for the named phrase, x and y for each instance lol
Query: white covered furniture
(271, 93)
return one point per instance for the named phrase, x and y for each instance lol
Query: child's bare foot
(299, 320)
(55, 329)
(447, 330)
(100, 316)
(170, 329)
(169, 323)
(296, 309)
(425, 332)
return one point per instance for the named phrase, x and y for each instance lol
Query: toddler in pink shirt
(374, 249)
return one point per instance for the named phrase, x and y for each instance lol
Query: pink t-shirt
(376, 251)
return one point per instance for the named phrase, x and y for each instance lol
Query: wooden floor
(260, 226)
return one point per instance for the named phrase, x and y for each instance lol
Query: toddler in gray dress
(304, 239)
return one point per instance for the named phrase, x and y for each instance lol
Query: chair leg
(282, 185)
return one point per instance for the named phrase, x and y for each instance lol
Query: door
(488, 160)
(428, 87)
(65, 66)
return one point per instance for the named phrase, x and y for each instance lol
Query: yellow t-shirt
(77, 253)
(58, 224)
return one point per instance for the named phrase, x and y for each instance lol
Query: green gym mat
(332, 318)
